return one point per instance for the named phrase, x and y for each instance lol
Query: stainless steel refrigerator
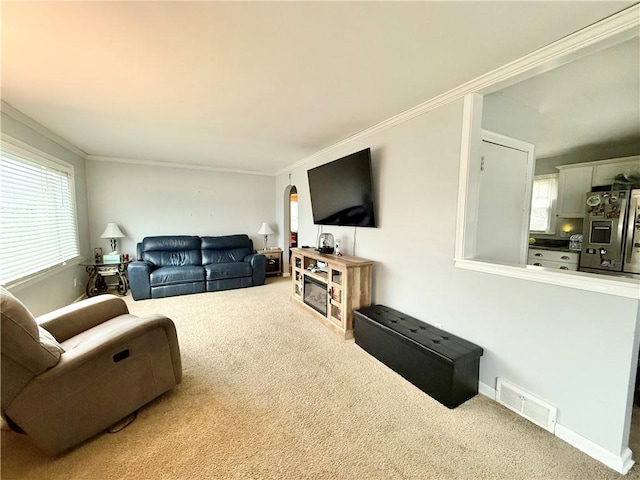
(611, 233)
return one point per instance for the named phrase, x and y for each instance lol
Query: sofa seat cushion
(176, 274)
(218, 271)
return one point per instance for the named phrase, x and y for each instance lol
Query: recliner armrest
(76, 318)
(128, 327)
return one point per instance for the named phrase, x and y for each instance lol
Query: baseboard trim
(486, 390)
(620, 463)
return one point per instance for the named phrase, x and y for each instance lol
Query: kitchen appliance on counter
(611, 238)
(575, 242)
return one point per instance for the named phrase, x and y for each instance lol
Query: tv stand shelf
(331, 296)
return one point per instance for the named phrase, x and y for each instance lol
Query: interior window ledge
(610, 285)
(19, 284)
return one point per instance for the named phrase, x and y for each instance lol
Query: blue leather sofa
(178, 265)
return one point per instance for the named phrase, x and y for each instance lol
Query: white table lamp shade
(265, 230)
(113, 231)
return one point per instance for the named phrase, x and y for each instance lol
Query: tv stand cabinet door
(337, 280)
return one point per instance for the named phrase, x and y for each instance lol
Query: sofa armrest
(259, 266)
(73, 319)
(139, 274)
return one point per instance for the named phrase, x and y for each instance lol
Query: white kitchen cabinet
(604, 173)
(573, 185)
(553, 259)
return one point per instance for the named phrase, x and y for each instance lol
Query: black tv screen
(342, 191)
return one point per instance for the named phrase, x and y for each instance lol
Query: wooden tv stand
(332, 294)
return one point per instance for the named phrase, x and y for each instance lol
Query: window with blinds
(38, 229)
(543, 203)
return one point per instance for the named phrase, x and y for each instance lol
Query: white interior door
(504, 200)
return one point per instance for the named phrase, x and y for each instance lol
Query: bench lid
(443, 343)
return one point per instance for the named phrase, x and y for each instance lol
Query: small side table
(107, 278)
(274, 260)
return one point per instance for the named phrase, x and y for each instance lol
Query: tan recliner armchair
(74, 372)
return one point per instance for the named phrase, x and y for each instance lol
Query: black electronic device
(342, 191)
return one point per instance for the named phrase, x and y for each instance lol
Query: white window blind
(37, 216)
(543, 201)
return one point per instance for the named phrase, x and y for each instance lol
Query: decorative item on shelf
(265, 230)
(626, 182)
(111, 258)
(97, 255)
(325, 243)
(338, 252)
(113, 232)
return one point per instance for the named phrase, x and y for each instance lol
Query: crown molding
(41, 129)
(605, 33)
(187, 166)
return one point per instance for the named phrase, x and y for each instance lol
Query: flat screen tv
(342, 191)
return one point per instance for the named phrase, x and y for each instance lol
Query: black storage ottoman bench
(440, 364)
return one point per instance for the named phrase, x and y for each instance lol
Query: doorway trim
(287, 229)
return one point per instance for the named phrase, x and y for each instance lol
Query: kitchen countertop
(555, 249)
(553, 245)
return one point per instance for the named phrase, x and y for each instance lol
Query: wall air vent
(525, 404)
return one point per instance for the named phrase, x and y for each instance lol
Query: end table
(107, 277)
(274, 260)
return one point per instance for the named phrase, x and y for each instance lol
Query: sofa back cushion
(226, 249)
(165, 251)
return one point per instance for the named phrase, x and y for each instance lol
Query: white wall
(56, 290)
(502, 115)
(149, 200)
(572, 348)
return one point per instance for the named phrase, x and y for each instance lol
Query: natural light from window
(543, 201)
(38, 229)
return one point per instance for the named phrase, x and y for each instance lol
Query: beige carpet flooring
(269, 393)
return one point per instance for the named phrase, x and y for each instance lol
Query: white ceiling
(254, 86)
(592, 101)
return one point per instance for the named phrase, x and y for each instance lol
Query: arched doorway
(291, 221)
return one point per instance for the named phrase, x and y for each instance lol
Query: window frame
(551, 224)
(18, 148)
